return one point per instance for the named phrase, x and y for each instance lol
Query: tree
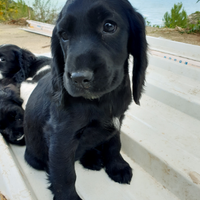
(7, 10)
(45, 11)
(176, 18)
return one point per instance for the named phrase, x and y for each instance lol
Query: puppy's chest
(93, 116)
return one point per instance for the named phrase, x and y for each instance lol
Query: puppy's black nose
(82, 79)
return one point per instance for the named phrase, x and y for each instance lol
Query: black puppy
(16, 65)
(19, 64)
(75, 113)
(11, 112)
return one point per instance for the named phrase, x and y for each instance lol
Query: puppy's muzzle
(82, 79)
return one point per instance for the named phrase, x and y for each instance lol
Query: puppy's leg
(34, 162)
(89, 151)
(61, 168)
(116, 167)
(92, 159)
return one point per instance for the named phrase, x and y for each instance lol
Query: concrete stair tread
(165, 121)
(192, 72)
(178, 84)
(162, 145)
(173, 47)
(177, 91)
(95, 184)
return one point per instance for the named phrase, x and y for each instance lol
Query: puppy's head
(11, 115)
(91, 44)
(15, 62)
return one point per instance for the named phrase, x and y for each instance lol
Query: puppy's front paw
(120, 172)
(76, 198)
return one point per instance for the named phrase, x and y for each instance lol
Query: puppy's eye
(110, 27)
(12, 115)
(2, 59)
(64, 36)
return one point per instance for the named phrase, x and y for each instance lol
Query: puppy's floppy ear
(38, 63)
(24, 60)
(137, 47)
(58, 65)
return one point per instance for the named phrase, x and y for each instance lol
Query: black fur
(16, 65)
(19, 64)
(11, 113)
(76, 111)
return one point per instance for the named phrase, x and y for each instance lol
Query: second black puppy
(76, 112)
(11, 112)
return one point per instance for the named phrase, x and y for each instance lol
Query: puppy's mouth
(13, 138)
(75, 91)
(20, 138)
(90, 89)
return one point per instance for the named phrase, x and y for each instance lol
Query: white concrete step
(165, 143)
(177, 68)
(173, 89)
(168, 122)
(90, 184)
(173, 47)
